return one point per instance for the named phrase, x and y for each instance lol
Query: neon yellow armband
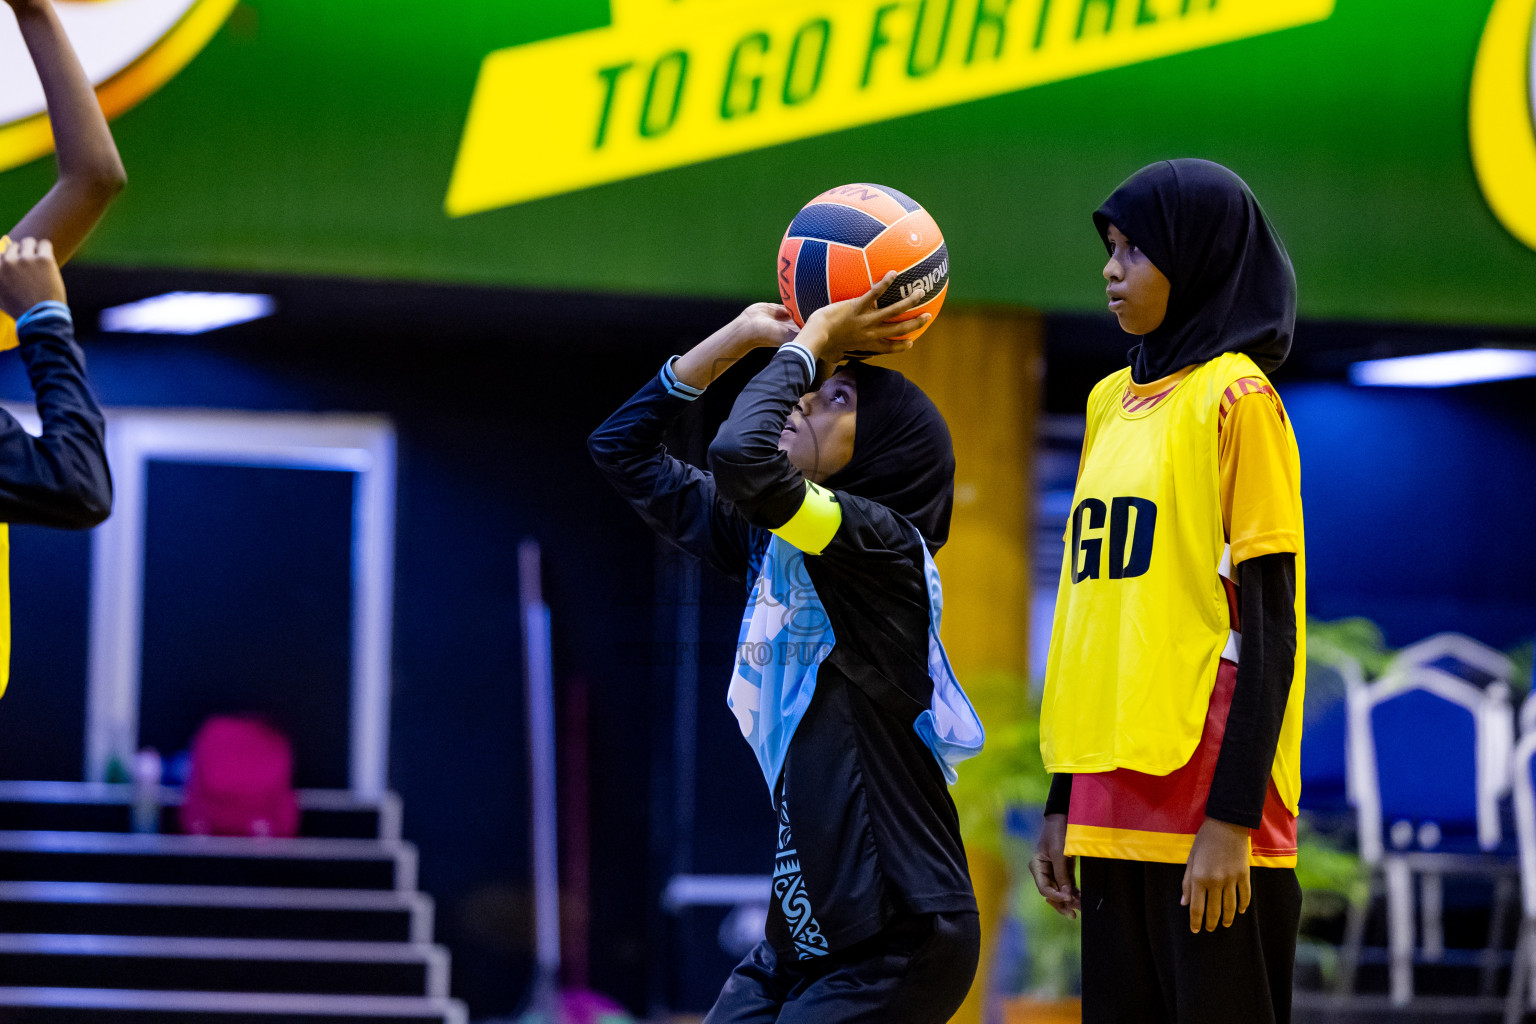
(812, 528)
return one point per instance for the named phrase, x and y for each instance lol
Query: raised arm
(675, 499)
(90, 171)
(750, 469)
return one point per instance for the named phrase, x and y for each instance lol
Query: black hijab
(902, 455)
(1233, 289)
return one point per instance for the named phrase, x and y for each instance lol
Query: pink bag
(241, 782)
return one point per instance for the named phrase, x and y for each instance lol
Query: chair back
(1456, 654)
(1428, 757)
(1528, 713)
(1325, 784)
(1525, 819)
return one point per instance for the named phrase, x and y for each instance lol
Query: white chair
(1428, 761)
(1473, 661)
(1326, 790)
(1522, 996)
(1458, 655)
(1528, 714)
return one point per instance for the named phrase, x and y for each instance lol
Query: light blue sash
(786, 635)
(950, 726)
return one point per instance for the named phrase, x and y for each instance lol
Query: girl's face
(1138, 291)
(818, 437)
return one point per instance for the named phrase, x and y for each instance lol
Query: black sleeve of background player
(60, 479)
(675, 499)
(1061, 794)
(1267, 593)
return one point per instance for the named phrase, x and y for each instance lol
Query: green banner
(662, 147)
(665, 86)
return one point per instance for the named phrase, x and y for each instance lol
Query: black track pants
(1142, 965)
(915, 971)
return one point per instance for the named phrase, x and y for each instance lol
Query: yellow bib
(1141, 612)
(8, 337)
(7, 340)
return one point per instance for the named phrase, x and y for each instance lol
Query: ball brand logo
(1130, 546)
(675, 82)
(129, 48)
(1502, 119)
(929, 281)
(858, 193)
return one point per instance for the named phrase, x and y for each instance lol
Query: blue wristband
(44, 312)
(675, 387)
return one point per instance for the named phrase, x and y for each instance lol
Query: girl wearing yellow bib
(1172, 709)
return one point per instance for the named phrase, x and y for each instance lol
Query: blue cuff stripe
(675, 387)
(44, 312)
(803, 352)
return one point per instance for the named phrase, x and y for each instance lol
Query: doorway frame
(361, 445)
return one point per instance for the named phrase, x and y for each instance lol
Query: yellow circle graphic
(1503, 129)
(129, 76)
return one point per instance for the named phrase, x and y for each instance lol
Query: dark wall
(247, 607)
(1418, 506)
(43, 713)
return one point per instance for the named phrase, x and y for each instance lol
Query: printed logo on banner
(129, 48)
(675, 82)
(1502, 118)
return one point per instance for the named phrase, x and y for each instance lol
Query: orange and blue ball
(848, 238)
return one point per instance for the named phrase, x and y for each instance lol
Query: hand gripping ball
(849, 237)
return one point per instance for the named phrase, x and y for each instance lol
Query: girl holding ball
(828, 495)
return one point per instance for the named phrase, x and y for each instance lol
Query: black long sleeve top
(867, 829)
(60, 479)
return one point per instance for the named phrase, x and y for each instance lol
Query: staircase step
(33, 1005)
(207, 860)
(1329, 1008)
(224, 965)
(100, 908)
(105, 807)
